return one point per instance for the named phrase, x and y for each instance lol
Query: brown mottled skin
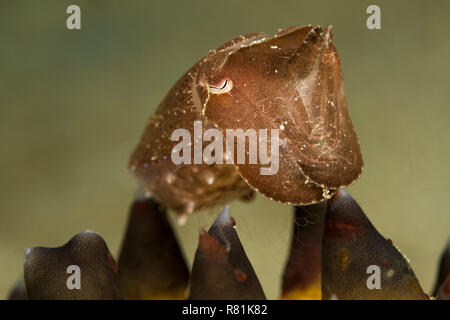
(290, 81)
(46, 277)
(302, 276)
(151, 264)
(221, 269)
(350, 245)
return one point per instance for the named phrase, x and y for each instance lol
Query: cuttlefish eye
(223, 86)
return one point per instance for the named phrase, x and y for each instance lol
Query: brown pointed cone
(302, 276)
(51, 273)
(444, 268)
(444, 290)
(19, 292)
(353, 250)
(151, 264)
(221, 269)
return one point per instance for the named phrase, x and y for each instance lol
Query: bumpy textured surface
(46, 276)
(350, 245)
(221, 269)
(151, 264)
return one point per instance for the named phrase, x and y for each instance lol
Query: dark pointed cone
(52, 273)
(19, 292)
(444, 290)
(355, 256)
(444, 268)
(151, 264)
(221, 269)
(302, 276)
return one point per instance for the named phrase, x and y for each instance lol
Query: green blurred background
(73, 104)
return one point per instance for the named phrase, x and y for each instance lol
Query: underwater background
(73, 105)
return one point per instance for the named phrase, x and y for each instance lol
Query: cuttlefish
(290, 81)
